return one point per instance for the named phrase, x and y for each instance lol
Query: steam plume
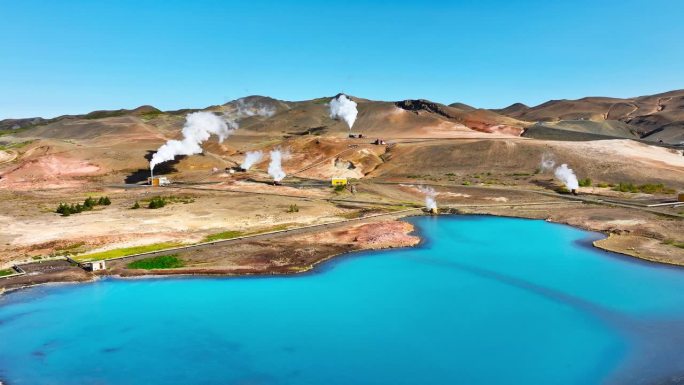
(251, 158)
(199, 126)
(343, 108)
(567, 176)
(251, 108)
(430, 194)
(275, 168)
(547, 162)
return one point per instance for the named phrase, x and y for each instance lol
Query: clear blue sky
(66, 56)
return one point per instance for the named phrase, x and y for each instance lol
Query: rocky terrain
(625, 151)
(658, 118)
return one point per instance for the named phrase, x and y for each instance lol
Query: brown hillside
(653, 117)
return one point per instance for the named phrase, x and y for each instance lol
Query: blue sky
(67, 57)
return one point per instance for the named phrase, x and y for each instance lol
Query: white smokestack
(430, 194)
(275, 168)
(567, 176)
(343, 108)
(251, 158)
(199, 126)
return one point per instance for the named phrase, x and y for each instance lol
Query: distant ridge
(657, 118)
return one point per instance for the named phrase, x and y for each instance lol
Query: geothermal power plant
(224, 188)
(201, 126)
(333, 193)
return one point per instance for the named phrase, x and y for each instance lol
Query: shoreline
(315, 265)
(319, 267)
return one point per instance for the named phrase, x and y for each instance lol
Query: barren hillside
(657, 117)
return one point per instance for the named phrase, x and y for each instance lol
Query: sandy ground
(29, 228)
(472, 172)
(291, 254)
(287, 255)
(6, 156)
(639, 152)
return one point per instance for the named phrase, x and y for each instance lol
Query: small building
(94, 266)
(680, 197)
(338, 182)
(379, 142)
(158, 181)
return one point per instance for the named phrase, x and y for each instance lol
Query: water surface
(483, 300)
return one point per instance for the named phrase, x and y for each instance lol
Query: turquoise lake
(483, 300)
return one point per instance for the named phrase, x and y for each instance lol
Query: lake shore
(301, 253)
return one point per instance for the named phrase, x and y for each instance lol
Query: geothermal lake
(484, 300)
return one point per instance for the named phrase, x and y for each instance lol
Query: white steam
(199, 126)
(252, 108)
(430, 197)
(547, 162)
(275, 168)
(567, 176)
(563, 173)
(343, 108)
(251, 158)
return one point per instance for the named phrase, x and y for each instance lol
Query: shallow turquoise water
(484, 300)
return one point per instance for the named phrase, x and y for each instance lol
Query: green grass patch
(73, 246)
(105, 114)
(230, 234)
(71, 249)
(116, 253)
(11, 131)
(161, 262)
(151, 115)
(352, 214)
(674, 243)
(10, 146)
(271, 229)
(6, 272)
(584, 182)
(160, 201)
(648, 188)
(223, 235)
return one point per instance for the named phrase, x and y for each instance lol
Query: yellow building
(158, 181)
(338, 182)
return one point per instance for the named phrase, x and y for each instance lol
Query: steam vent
(342, 193)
